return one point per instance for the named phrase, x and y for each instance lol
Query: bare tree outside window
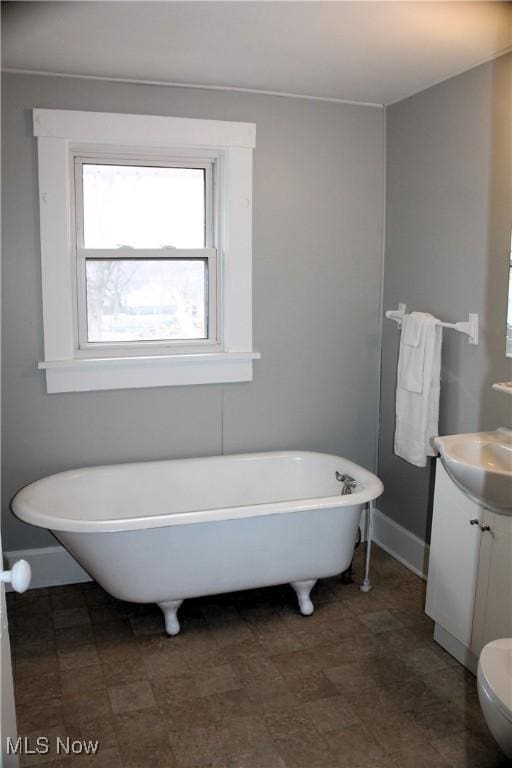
(146, 300)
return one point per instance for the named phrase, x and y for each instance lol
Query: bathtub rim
(22, 505)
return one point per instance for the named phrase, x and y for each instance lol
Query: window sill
(98, 373)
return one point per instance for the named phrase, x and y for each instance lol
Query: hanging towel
(418, 385)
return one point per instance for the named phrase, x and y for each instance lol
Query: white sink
(481, 464)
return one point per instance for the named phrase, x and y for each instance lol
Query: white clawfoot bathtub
(163, 531)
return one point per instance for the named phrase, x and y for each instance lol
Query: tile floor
(249, 683)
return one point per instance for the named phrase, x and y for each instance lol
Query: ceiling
(372, 52)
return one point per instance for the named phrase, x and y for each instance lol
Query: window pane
(146, 299)
(143, 207)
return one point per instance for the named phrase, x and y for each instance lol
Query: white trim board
(157, 130)
(401, 544)
(51, 567)
(201, 86)
(455, 648)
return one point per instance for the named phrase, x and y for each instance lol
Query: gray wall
(318, 212)
(448, 221)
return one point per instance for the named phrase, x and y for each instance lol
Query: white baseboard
(401, 544)
(51, 566)
(455, 648)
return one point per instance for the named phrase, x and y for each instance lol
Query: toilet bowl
(495, 691)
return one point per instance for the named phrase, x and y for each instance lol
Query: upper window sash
(180, 160)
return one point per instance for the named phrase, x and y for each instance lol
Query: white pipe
(366, 586)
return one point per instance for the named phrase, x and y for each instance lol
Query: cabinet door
(493, 604)
(453, 563)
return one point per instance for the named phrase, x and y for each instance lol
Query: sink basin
(481, 464)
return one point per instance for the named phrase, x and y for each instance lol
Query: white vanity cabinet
(469, 588)
(493, 602)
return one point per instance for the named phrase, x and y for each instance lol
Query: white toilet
(495, 690)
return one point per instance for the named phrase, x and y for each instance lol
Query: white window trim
(60, 133)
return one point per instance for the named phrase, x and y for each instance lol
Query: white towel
(412, 352)
(418, 386)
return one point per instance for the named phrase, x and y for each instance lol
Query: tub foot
(302, 589)
(170, 610)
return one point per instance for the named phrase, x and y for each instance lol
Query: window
(146, 261)
(145, 250)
